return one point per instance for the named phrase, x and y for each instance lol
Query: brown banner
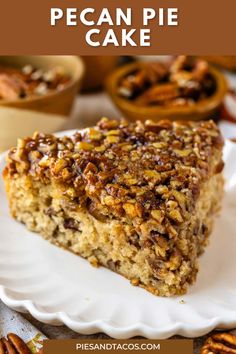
(178, 346)
(204, 27)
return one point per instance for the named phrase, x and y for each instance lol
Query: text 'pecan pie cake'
(137, 198)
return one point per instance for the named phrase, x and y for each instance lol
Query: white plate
(57, 287)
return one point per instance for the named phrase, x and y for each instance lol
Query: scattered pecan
(220, 343)
(13, 345)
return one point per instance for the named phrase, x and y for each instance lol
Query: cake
(137, 198)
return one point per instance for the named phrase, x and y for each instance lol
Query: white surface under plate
(57, 287)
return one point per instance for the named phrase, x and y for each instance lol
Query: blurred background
(54, 93)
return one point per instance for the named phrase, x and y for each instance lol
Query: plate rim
(102, 326)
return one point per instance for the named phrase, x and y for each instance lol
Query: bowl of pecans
(224, 61)
(36, 93)
(185, 88)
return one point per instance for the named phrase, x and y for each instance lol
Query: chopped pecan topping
(148, 174)
(220, 343)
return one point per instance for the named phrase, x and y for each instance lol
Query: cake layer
(137, 198)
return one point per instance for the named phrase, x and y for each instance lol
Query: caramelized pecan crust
(141, 171)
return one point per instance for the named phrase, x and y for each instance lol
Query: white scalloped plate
(57, 287)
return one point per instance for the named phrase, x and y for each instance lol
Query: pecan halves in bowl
(13, 345)
(221, 343)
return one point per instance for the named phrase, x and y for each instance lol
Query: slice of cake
(138, 198)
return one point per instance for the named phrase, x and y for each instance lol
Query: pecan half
(11, 87)
(220, 343)
(182, 83)
(13, 345)
(6, 347)
(158, 94)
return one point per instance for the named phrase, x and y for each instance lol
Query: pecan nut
(220, 343)
(181, 83)
(13, 344)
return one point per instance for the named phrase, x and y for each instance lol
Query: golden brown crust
(118, 169)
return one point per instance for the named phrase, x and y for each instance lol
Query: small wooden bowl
(226, 62)
(203, 109)
(55, 102)
(97, 68)
(46, 113)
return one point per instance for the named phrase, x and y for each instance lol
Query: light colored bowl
(203, 109)
(47, 113)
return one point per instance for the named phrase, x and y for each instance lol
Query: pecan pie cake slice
(138, 198)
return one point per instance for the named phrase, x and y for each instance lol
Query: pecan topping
(147, 173)
(13, 345)
(220, 343)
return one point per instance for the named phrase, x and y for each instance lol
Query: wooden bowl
(97, 68)
(46, 113)
(203, 109)
(226, 62)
